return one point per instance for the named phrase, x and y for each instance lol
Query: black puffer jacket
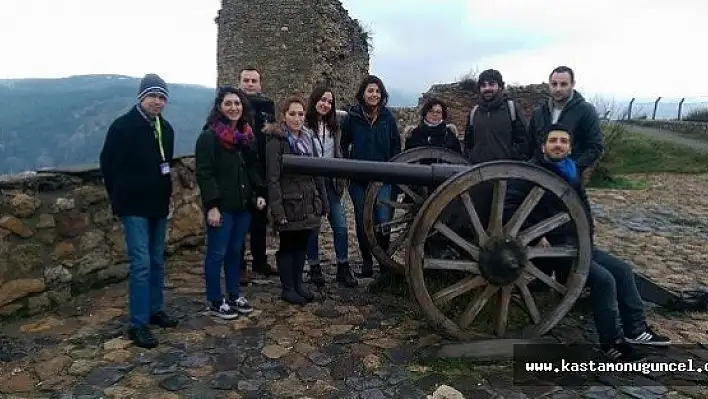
(442, 135)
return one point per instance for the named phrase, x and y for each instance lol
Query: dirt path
(667, 135)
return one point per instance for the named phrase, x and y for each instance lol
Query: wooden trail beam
(488, 350)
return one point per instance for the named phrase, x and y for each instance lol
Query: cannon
(479, 287)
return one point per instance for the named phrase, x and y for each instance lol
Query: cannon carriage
(467, 263)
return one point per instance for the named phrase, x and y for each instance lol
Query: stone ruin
(294, 44)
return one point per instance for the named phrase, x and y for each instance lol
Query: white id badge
(165, 168)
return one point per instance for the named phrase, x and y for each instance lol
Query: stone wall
(296, 45)
(690, 128)
(58, 237)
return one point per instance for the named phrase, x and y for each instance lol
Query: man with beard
(495, 129)
(263, 112)
(617, 306)
(568, 107)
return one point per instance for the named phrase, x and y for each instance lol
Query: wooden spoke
(522, 213)
(394, 222)
(476, 305)
(459, 241)
(497, 211)
(396, 244)
(544, 227)
(503, 314)
(474, 218)
(446, 264)
(395, 204)
(461, 287)
(529, 301)
(551, 252)
(414, 196)
(536, 272)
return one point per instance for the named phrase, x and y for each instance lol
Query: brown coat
(300, 199)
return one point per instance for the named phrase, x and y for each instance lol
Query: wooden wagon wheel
(403, 212)
(498, 261)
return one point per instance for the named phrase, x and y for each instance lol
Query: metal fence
(665, 108)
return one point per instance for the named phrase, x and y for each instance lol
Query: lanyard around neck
(158, 136)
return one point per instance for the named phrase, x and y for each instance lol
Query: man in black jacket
(613, 291)
(135, 163)
(263, 112)
(568, 107)
(496, 129)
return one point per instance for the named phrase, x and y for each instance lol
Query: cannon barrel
(385, 172)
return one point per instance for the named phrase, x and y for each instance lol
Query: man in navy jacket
(135, 163)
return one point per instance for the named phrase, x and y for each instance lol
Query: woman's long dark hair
(215, 114)
(312, 116)
(362, 88)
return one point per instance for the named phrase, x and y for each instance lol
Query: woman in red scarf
(230, 188)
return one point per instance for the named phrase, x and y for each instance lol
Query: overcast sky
(618, 48)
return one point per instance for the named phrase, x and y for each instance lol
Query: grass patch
(631, 152)
(617, 183)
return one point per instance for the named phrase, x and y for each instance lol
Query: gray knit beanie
(152, 84)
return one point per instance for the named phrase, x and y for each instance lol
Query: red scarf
(230, 138)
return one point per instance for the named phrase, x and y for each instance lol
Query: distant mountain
(62, 122)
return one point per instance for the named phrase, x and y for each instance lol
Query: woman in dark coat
(228, 179)
(297, 202)
(433, 130)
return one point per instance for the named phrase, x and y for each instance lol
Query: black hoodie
(581, 118)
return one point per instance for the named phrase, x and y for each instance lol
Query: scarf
(298, 145)
(230, 138)
(566, 168)
(431, 124)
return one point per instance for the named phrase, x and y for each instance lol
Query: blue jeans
(615, 298)
(225, 247)
(381, 214)
(145, 244)
(338, 222)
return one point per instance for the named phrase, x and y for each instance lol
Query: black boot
(345, 277)
(367, 270)
(298, 269)
(316, 276)
(285, 270)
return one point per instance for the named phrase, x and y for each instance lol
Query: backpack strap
(510, 104)
(512, 110)
(474, 109)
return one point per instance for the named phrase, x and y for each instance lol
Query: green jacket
(228, 179)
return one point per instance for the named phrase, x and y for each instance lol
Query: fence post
(656, 105)
(629, 110)
(680, 107)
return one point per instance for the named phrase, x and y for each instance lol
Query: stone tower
(295, 45)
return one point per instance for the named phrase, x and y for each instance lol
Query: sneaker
(649, 337)
(241, 305)
(163, 320)
(142, 337)
(223, 310)
(621, 352)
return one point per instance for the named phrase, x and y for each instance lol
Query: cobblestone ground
(348, 343)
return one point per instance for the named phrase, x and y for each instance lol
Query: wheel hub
(502, 260)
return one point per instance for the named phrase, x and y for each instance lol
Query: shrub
(697, 115)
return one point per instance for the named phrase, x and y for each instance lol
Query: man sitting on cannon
(613, 291)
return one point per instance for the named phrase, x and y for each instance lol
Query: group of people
(243, 187)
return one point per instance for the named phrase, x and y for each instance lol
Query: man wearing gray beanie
(135, 163)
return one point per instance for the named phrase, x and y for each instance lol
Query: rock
(46, 324)
(63, 204)
(186, 222)
(117, 344)
(16, 226)
(23, 205)
(371, 362)
(64, 250)
(46, 221)
(290, 386)
(274, 351)
(446, 392)
(20, 382)
(71, 224)
(57, 275)
(91, 239)
(338, 329)
(15, 289)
